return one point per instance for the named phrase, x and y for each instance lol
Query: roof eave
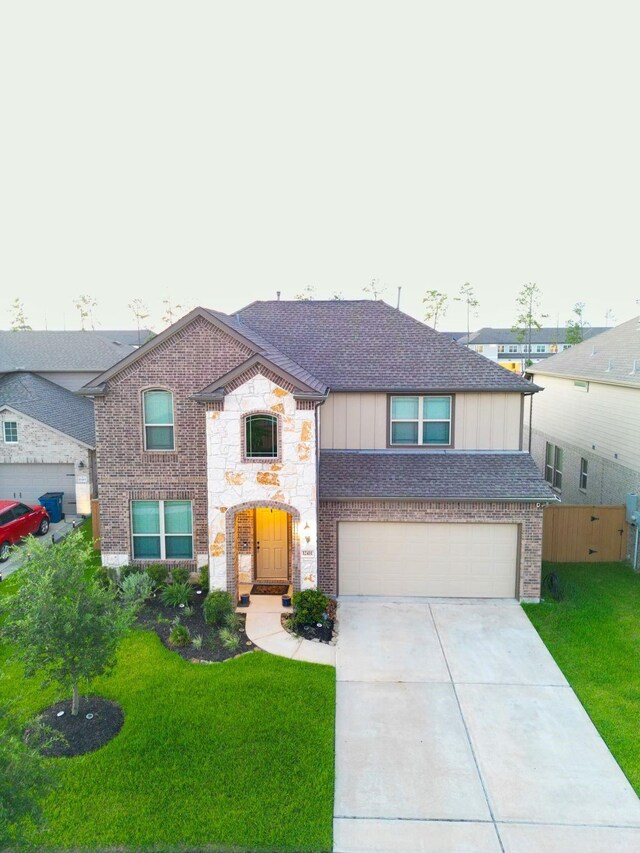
(461, 499)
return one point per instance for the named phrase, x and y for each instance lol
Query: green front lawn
(594, 636)
(237, 755)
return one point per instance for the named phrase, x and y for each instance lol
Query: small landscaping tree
(63, 622)
(24, 779)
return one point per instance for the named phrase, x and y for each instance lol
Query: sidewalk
(264, 629)
(56, 532)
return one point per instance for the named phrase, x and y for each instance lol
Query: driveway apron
(456, 731)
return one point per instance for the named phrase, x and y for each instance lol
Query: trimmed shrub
(158, 574)
(176, 594)
(203, 579)
(135, 589)
(309, 606)
(218, 605)
(179, 574)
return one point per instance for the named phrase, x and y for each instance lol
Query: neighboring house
(585, 427)
(340, 444)
(455, 336)
(129, 337)
(503, 346)
(70, 359)
(47, 442)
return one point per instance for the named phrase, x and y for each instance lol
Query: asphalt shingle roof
(613, 356)
(545, 335)
(367, 344)
(50, 404)
(41, 351)
(420, 475)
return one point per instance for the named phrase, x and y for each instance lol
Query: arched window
(158, 420)
(260, 436)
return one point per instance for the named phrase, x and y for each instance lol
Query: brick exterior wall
(186, 363)
(527, 516)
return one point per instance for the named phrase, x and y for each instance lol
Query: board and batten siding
(607, 416)
(482, 421)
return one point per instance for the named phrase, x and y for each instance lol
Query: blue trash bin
(52, 502)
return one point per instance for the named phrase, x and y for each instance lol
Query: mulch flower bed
(322, 631)
(158, 617)
(79, 734)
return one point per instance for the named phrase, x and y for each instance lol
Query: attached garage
(27, 481)
(470, 560)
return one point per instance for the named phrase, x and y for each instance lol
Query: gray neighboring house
(47, 439)
(585, 427)
(503, 346)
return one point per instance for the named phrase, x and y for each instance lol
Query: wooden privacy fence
(95, 523)
(579, 534)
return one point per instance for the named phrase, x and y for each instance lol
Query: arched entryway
(262, 544)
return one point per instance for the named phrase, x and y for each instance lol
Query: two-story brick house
(339, 444)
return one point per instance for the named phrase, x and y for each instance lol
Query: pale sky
(215, 153)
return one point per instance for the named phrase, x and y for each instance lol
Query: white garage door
(26, 482)
(433, 559)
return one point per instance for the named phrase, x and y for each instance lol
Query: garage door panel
(27, 481)
(427, 559)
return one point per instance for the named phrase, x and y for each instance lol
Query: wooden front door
(271, 544)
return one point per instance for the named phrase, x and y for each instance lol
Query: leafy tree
(140, 312)
(63, 622)
(435, 306)
(575, 326)
(528, 302)
(25, 778)
(85, 305)
(171, 312)
(337, 295)
(306, 294)
(374, 288)
(19, 321)
(468, 296)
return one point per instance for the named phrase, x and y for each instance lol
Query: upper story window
(541, 347)
(422, 421)
(479, 348)
(513, 348)
(500, 347)
(553, 465)
(10, 431)
(584, 475)
(260, 436)
(158, 420)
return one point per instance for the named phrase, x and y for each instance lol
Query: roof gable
(50, 404)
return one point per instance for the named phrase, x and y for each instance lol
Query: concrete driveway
(456, 731)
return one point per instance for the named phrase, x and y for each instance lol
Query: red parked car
(18, 520)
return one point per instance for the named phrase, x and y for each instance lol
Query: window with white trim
(162, 530)
(421, 420)
(10, 431)
(158, 420)
(541, 347)
(553, 465)
(513, 348)
(584, 475)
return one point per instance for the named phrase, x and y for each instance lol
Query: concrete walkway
(264, 628)
(456, 731)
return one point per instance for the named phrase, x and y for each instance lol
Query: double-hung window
(513, 348)
(584, 474)
(162, 530)
(553, 466)
(158, 420)
(10, 429)
(422, 421)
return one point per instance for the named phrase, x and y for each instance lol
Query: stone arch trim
(230, 523)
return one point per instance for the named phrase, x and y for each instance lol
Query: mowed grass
(594, 636)
(238, 755)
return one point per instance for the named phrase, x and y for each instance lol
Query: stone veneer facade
(527, 516)
(236, 484)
